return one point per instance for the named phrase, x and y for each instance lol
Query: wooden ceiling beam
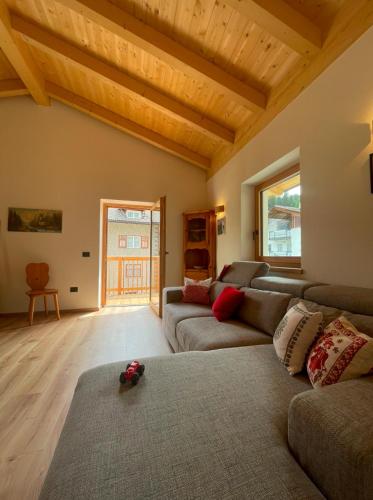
(18, 54)
(12, 87)
(131, 29)
(283, 22)
(352, 20)
(120, 122)
(56, 46)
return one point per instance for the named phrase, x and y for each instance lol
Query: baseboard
(83, 310)
(51, 312)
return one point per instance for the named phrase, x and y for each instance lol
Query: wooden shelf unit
(199, 256)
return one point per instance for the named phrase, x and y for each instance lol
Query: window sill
(286, 270)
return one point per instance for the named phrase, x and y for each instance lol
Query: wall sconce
(219, 210)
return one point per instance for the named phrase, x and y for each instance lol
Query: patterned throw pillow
(190, 281)
(196, 294)
(294, 336)
(342, 353)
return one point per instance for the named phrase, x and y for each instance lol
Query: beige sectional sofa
(192, 327)
(228, 423)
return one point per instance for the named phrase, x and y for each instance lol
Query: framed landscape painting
(221, 226)
(35, 220)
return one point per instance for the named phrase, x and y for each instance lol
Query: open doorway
(133, 253)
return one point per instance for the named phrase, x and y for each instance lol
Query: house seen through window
(133, 214)
(278, 216)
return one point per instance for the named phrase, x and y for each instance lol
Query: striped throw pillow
(294, 336)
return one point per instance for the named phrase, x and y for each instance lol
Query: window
(278, 219)
(122, 241)
(133, 241)
(133, 214)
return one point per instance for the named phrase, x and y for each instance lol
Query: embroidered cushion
(190, 281)
(227, 303)
(196, 294)
(294, 336)
(341, 353)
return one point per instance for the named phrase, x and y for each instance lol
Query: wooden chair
(37, 277)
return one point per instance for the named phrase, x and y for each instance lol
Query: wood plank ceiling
(197, 78)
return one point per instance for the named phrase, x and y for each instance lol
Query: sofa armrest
(172, 294)
(331, 435)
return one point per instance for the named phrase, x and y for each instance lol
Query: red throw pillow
(196, 294)
(227, 303)
(224, 271)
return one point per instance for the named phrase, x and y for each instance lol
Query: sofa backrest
(363, 322)
(295, 287)
(263, 309)
(217, 287)
(354, 299)
(242, 272)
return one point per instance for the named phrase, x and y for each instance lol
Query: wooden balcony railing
(131, 275)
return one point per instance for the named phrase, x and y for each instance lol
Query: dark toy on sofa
(132, 373)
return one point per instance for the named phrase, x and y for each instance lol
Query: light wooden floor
(128, 300)
(39, 367)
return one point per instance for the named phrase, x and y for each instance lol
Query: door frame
(104, 228)
(162, 254)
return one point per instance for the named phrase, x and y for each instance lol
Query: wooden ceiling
(197, 78)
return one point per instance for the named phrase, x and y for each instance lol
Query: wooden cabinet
(200, 244)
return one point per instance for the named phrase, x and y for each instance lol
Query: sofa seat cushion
(205, 334)
(178, 311)
(331, 435)
(209, 425)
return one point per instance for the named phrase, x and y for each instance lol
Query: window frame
(144, 242)
(122, 241)
(285, 262)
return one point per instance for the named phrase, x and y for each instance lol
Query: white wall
(330, 123)
(59, 158)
